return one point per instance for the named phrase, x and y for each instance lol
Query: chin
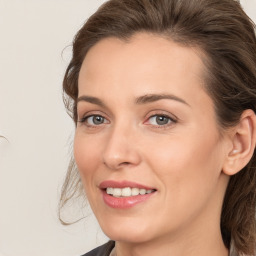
(131, 233)
(128, 238)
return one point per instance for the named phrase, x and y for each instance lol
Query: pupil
(161, 120)
(98, 120)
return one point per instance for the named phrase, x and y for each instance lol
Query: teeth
(125, 192)
(135, 191)
(110, 191)
(117, 191)
(142, 191)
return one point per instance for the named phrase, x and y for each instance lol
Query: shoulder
(103, 250)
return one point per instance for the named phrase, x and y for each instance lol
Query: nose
(121, 149)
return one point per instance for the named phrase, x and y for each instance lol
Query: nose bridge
(121, 147)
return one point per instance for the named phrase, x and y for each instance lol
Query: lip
(123, 202)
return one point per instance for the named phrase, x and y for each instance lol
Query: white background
(33, 163)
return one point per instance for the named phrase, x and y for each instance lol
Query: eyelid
(88, 113)
(161, 113)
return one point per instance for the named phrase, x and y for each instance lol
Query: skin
(183, 159)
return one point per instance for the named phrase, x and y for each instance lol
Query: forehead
(145, 62)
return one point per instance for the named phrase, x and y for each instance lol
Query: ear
(243, 138)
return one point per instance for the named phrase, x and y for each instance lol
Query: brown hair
(226, 36)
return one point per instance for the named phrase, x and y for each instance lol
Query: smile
(125, 194)
(128, 191)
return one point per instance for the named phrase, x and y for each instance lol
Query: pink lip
(123, 202)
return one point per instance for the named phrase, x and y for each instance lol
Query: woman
(163, 95)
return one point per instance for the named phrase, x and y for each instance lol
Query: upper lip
(122, 184)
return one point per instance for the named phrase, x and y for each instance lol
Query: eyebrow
(148, 98)
(92, 100)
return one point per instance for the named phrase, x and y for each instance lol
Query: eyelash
(171, 121)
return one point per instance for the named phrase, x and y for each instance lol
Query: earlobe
(243, 143)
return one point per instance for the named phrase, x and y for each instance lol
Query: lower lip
(124, 202)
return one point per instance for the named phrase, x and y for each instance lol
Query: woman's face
(146, 125)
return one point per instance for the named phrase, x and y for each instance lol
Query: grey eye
(95, 120)
(162, 120)
(98, 120)
(159, 120)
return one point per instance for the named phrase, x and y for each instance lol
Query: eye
(160, 120)
(93, 120)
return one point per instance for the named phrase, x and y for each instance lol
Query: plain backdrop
(33, 34)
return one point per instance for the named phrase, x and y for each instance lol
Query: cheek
(188, 164)
(87, 156)
(188, 171)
